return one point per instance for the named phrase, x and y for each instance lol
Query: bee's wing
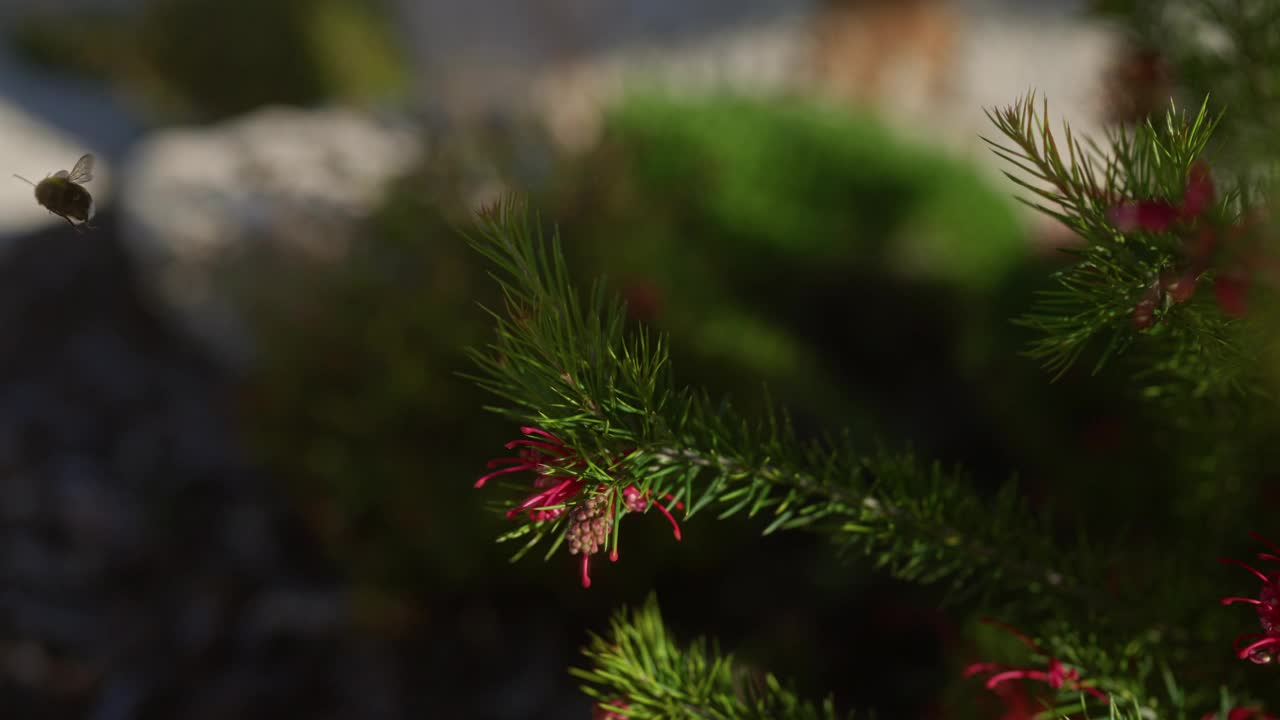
(61, 174)
(83, 170)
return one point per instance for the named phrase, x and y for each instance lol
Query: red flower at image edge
(1161, 215)
(1263, 648)
(1056, 676)
(1231, 284)
(590, 520)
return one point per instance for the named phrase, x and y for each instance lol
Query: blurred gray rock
(210, 213)
(147, 568)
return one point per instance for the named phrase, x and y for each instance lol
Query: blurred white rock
(211, 212)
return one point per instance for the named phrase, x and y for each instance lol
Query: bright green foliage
(641, 662)
(566, 366)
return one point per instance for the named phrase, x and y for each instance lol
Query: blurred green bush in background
(806, 247)
(792, 182)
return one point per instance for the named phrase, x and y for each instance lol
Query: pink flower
(544, 454)
(1177, 286)
(1150, 215)
(1160, 215)
(1199, 192)
(1056, 676)
(1263, 648)
(590, 524)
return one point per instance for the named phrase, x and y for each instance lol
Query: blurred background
(237, 459)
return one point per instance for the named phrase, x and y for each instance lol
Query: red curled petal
(550, 496)
(1233, 600)
(1095, 692)
(675, 527)
(976, 668)
(545, 446)
(543, 433)
(1017, 675)
(1264, 541)
(1259, 573)
(504, 471)
(1247, 650)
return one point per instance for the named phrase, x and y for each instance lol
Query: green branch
(568, 368)
(640, 672)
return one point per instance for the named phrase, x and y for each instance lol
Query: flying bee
(63, 195)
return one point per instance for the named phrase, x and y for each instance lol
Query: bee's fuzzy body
(66, 199)
(63, 194)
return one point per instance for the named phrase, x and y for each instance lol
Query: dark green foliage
(640, 664)
(565, 363)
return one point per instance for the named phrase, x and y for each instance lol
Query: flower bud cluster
(589, 526)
